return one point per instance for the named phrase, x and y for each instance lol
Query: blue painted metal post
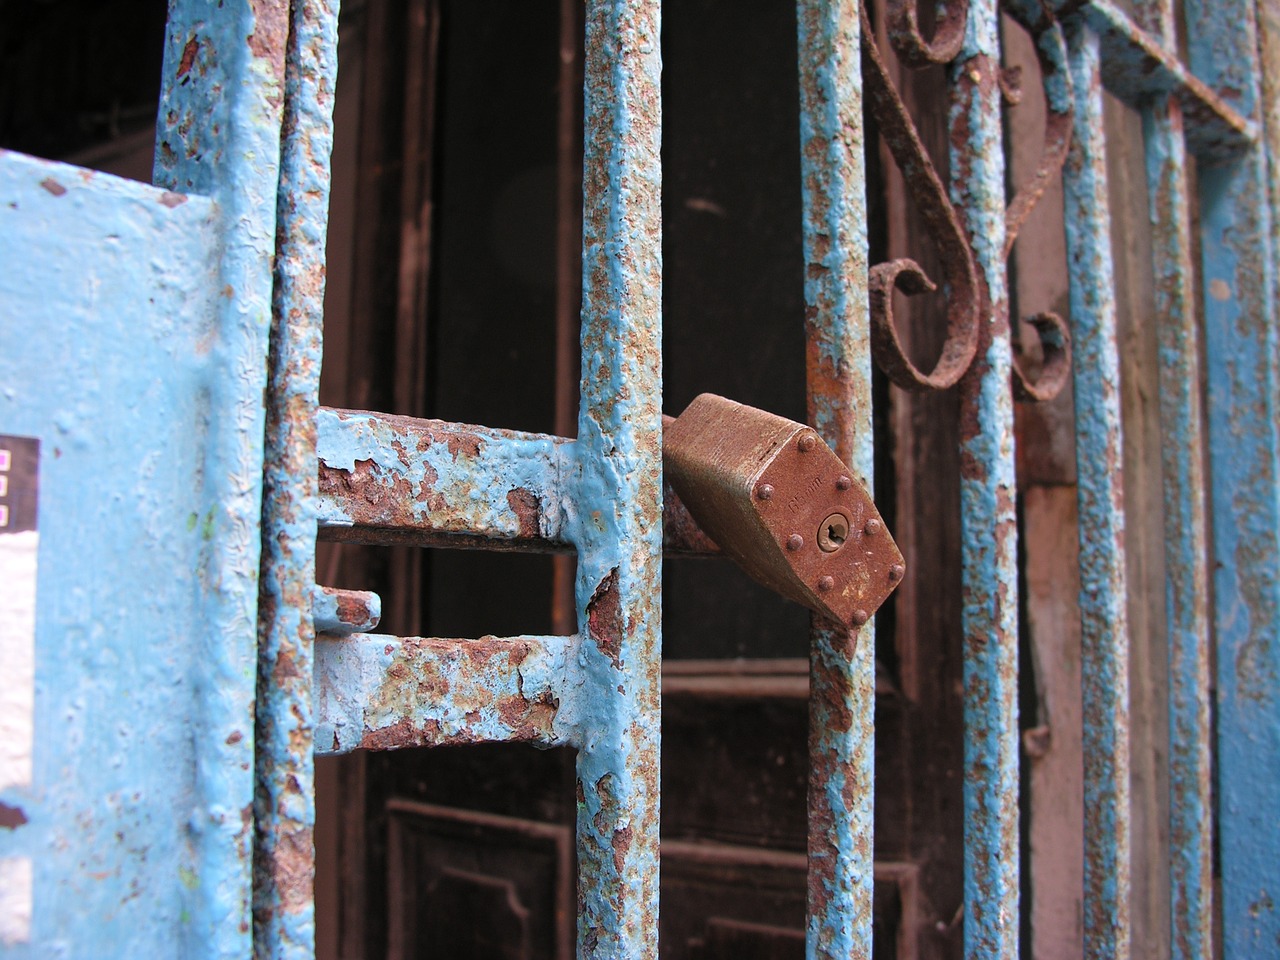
(1099, 464)
(987, 495)
(842, 663)
(1241, 356)
(619, 507)
(1186, 575)
(219, 134)
(284, 803)
(1104, 622)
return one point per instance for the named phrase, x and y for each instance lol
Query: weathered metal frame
(1105, 48)
(242, 175)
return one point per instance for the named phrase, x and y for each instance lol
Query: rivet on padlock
(781, 503)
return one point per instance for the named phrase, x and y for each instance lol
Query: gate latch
(781, 504)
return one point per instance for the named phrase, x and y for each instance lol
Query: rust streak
(604, 618)
(189, 53)
(528, 510)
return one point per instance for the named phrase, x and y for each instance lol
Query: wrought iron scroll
(1037, 18)
(930, 195)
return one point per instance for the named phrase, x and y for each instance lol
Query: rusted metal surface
(387, 479)
(1238, 266)
(913, 49)
(384, 693)
(618, 504)
(1099, 464)
(1184, 482)
(343, 612)
(782, 505)
(988, 522)
(284, 799)
(838, 382)
(941, 220)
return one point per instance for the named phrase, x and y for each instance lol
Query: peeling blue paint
(444, 479)
(284, 801)
(987, 497)
(380, 692)
(842, 664)
(1099, 466)
(1239, 270)
(618, 527)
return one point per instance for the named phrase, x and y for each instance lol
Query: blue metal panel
(1240, 332)
(1099, 462)
(618, 522)
(141, 366)
(113, 350)
(842, 663)
(987, 497)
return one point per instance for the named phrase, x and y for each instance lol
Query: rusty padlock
(781, 504)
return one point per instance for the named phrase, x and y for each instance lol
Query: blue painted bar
(1186, 554)
(1099, 466)
(284, 802)
(218, 133)
(987, 498)
(383, 693)
(344, 612)
(842, 663)
(1239, 271)
(385, 478)
(617, 526)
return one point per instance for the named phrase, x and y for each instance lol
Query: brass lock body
(780, 503)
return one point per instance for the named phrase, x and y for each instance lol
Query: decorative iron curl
(1037, 18)
(924, 184)
(903, 22)
(934, 204)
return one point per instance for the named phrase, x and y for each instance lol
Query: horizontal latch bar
(398, 480)
(1136, 67)
(344, 612)
(382, 693)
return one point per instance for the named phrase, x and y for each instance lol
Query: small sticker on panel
(19, 543)
(15, 900)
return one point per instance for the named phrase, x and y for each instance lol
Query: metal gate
(136, 341)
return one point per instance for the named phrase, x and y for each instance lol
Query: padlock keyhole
(833, 533)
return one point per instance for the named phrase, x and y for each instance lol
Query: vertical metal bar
(987, 497)
(284, 800)
(1241, 359)
(1099, 461)
(1186, 576)
(218, 134)
(619, 507)
(842, 663)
